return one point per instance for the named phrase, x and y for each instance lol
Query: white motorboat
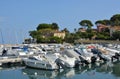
(85, 55)
(67, 58)
(42, 62)
(108, 54)
(66, 62)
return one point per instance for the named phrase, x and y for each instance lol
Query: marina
(34, 61)
(44, 39)
(60, 54)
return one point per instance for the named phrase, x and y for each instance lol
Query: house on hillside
(82, 30)
(113, 29)
(102, 27)
(59, 34)
(55, 33)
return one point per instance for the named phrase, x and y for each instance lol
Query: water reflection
(116, 69)
(105, 68)
(109, 68)
(36, 73)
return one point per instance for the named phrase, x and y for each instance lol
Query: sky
(18, 17)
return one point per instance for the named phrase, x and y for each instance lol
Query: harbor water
(107, 70)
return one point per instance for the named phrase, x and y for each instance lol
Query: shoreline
(97, 41)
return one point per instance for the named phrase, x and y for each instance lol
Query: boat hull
(40, 64)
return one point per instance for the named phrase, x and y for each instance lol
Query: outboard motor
(99, 54)
(117, 55)
(59, 63)
(95, 51)
(93, 59)
(4, 52)
(83, 61)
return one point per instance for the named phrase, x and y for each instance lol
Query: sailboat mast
(1, 36)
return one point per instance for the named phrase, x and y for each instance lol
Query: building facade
(113, 29)
(59, 34)
(102, 27)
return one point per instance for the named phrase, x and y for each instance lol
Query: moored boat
(41, 61)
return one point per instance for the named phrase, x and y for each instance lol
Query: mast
(1, 36)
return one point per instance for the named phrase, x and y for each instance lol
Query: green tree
(104, 22)
(55, 26)
(55, 39)
(99, 22)
(82, 34)
(116, 35)
(43, 26)
(69, 38)
(44, 33)
(115, 20)
(40, 39)
(107, 30)
(107, 22)
(86, 23)
(103, 36)
(65, 30)
(33, 34)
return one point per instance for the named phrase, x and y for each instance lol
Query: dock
(13, 59)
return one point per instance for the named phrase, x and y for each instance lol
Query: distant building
(59, 34)
(101, 27)
(55, 33)
(29, 41)
(113, 29)
(82, 30)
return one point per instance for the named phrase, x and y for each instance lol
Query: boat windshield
(32, 58)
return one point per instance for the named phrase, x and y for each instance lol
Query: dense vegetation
(43, 31)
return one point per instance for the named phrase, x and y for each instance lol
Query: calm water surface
(97, 71)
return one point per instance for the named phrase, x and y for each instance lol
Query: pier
(13, 59)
